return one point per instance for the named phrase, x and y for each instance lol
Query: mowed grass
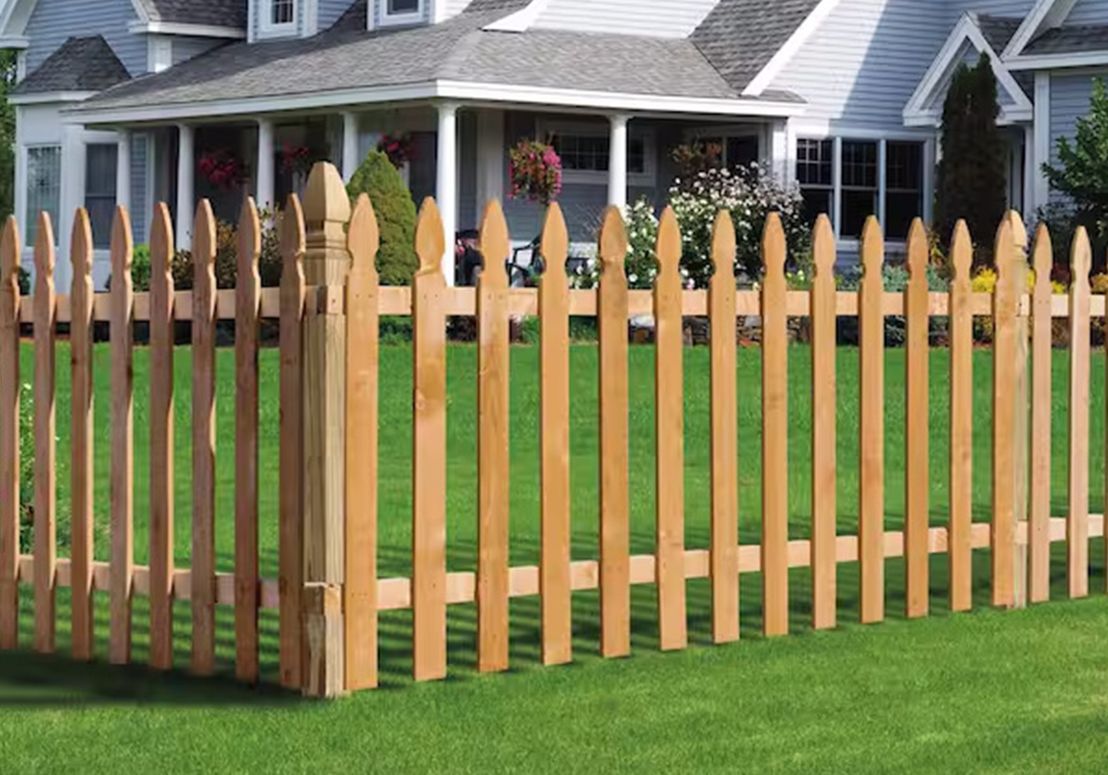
(985, 691)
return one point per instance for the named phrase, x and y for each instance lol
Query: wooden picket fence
(328, 593)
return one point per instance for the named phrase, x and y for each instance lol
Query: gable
(53, 22)
(1088, 12)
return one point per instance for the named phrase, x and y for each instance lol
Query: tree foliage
(7, 133)
(1082, 171)
(396, 216)
(972, 176)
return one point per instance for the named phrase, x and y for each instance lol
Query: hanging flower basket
(222, 169)
(536, 171)
(296, 158)
(397, 147)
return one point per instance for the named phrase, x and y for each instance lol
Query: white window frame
(30, 217)
(646, 179)
(402, 19)
(821, 131)
(268, 27)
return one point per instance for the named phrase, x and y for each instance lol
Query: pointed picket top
(961, 251)
(161, 244)
(44, 254)
(204, 241)
(1081, 259)
(613, 241)
(1019, 231)
(293, 238)
(249, 239)
(873, 248)
(123, 245)
(325, 197)
(80, 247)
(430, 239)
(555, 241)
(10, 256)
(1042, 257)
(919, 251)
(823, 247)
(724, 245)
(363, 237)
(494, 246)
(1005, 256)
(668, 248)
(773, 246)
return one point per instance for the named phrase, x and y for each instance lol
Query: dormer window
(396, 12)
(279, 17)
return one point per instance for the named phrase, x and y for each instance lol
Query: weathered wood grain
(824, 434)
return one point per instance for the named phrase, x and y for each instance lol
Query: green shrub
(396, 216)
(24, 282)
(226, 255)
(140, 268)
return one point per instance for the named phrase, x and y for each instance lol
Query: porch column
(350, 160)
(1040, 150)
(123, 170)
(1029, 171)
(267, 181)
(186, 201)
(617, 161)
(446, 189)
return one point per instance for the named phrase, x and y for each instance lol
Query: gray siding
(186, 48)
(1012, 8)
(330, 11)
(1069, 100)
(862, 66)
(55, 21)
(1089, 12)
(139, 153)
(656, 18)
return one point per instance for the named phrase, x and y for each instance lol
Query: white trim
(521, 20)
(477, 93)
(1045, 15)
(387, 19)
(618, 145)
(188, 30)
(16, 14)
(446, 181)
(41, 98)
(267, 28)
(917, 112)
(647, 178)
(159, 53)
(14, 41)
(792, 46)
(1041, 150)
(140, 10)
(1059, 61)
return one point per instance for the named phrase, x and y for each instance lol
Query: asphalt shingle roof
(1070, 40)
(998, 30)
(79, 64)
(739, 37)
(219, 13)
(348, 57)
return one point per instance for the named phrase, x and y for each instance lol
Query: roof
(347, 57)
(739, 49)
(79, 64)
(216, 13)
(998, 30)
(1069, 40)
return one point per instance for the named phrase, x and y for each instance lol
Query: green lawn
(985, 691)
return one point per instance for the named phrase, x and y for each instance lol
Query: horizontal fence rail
(328, 592)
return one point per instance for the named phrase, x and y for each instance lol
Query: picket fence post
(326, 267)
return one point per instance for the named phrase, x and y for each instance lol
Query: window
(100, 182)
(396, 7)
(585, 153)
(401, 11)
(814, 160)
(279, 16)
(904, 187)
(44, 185)
(732, 151)
(859, 186)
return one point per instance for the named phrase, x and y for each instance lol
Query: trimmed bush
(396, 216)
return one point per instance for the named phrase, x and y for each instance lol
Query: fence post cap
(325, 197)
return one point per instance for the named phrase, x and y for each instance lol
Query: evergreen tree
(396, 216)
(7, 134)
(1082, 173)
(972, 176)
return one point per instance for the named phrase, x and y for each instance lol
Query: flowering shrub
(749, 194)
(296, 158)
(397, 147)
(535, 170)
(222, 169)
(641, 264)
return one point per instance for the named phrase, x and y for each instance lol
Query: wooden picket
(724, 420)
(45, 308)
(1077, 537)
(775, 433)
(493, 460)
(871, 444)
(328, 592)
(554, 564)
(615, 560)
(959, 529)
(917, 555)
(81, 550)
(162, 333)
(824, 432)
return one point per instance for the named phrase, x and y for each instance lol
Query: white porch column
(1029, 170)
(350, 160)
(446, 189)
(123, 170)
(490, 157)
(186, 197)
(1040, 150)
(778, 151)
(617, 162)
(266, 177)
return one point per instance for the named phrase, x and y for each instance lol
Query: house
(136, 101)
